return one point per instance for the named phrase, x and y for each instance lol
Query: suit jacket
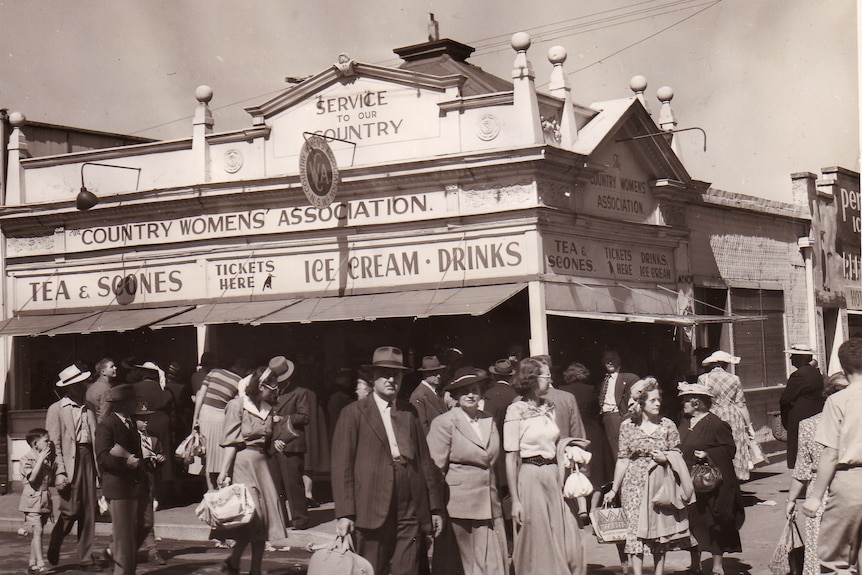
(803, 396)
(566, 413)
(428, 405)
(60, 424)
(622, 392)
(363, 474)
(294, 402)
(118, 481)
(467, 463)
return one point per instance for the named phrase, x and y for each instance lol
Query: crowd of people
(463, 474)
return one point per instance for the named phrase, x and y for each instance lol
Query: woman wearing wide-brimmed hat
(465, 443)
(802, 398)
(716, 516)
(729, 404)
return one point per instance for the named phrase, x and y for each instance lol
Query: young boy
(151, 449)
(37, 469)
(840, 469)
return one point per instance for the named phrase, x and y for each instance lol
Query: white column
(538, 319)
(201, 333)
(806, 246)
(202, 125)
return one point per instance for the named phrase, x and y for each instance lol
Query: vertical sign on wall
(848, 230)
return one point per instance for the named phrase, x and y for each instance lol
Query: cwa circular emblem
(318, 172)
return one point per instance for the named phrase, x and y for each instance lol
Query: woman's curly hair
(639, 392)
(527, 375)
(576, 373)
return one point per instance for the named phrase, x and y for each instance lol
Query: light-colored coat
(468, 464)
(60, 424)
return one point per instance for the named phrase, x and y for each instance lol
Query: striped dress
(222, 386)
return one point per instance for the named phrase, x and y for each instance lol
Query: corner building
(466, 210)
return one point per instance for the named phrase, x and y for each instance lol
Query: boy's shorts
(34, 519)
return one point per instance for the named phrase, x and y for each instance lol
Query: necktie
(604, 393)
(390, 431)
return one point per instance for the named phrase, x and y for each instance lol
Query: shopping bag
(789, 554)
(577, 485)
(757, 455)
(190, 447)
(777, 427)
(230, 506)
(339, 559)
(609, 524)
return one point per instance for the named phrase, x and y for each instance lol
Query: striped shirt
(222, 387)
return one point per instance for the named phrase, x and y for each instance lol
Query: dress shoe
(299, 524)
(312, 503)
(229, 569)
(53, 554)
(91, 567)
(154, 558)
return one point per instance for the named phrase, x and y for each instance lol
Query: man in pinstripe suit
(386, 488)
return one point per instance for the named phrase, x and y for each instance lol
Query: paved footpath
(184, 538)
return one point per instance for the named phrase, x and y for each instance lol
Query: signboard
(366, 112)
(621, 192)
(848, 229)
(340, 214)
(318, 172)
(585, 257)
(133, 284)
(329, 269)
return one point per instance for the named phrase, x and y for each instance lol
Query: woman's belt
(539, 460)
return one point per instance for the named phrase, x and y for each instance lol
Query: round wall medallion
(232, 161)
(488, 127)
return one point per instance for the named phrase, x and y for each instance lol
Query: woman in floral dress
(729, 404)
(645, 437)
(805, 472)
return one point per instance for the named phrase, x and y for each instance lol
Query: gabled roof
(622, 120)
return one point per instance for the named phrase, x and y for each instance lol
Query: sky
(772, 82)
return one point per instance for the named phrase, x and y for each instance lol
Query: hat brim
(147, 412)
(441, 368)
(77, 379)
(495, 372)
(286, 375)
(467, 382)
(799, 352)
(386, 365)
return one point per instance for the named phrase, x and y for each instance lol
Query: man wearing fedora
(71, 426)
(288, 440)
(386, 488)
(118, 451)
(426, 397)
(802, 398)
(614, 396)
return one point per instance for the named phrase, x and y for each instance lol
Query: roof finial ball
(521, 41)
(638, 84)
(557, 55)
(204, 94)
(664, 94)
(17, 119)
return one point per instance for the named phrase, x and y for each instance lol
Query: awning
(38, 324)
(234, 312)
(116, 320)
(476, 301)
(623, 303)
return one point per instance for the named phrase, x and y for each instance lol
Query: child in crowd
(37, 469)
(153, 457)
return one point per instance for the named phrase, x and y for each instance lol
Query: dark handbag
(705, 476)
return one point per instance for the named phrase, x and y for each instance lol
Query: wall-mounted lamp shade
(86, 199)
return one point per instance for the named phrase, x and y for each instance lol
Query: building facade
(428, 206)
